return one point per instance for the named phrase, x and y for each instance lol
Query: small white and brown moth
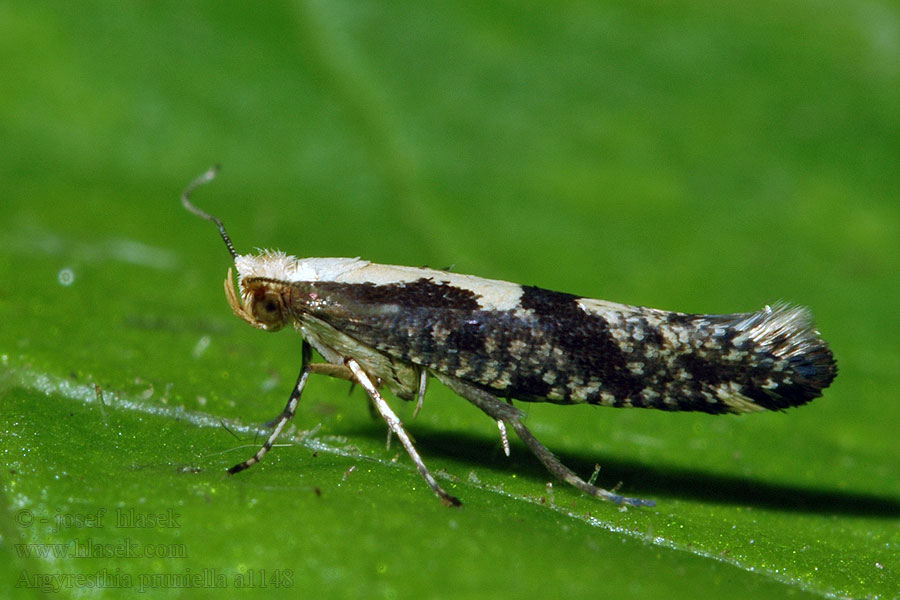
(494, 341)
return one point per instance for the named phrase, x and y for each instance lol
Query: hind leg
(501, 411)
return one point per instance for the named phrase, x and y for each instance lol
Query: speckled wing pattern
(561, 348)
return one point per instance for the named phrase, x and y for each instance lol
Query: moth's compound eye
(269, 310)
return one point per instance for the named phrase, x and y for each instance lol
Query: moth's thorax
(273, 264)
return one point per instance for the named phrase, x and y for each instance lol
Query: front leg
(306, 369)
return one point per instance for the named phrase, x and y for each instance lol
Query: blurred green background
(701, 156)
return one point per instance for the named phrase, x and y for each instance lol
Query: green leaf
(693, 157)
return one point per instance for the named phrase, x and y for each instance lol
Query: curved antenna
(208, 176)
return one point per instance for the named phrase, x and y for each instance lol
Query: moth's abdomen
(562, 348)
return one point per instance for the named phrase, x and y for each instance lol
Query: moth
(385, 326)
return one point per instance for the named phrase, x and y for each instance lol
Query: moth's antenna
(206, 178)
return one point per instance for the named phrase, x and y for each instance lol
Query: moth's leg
(397, 427)
(503, 439)
(511, 416)
(328, 369)
(286, 415)
(336, 371)
(420, 393)
(420, 396)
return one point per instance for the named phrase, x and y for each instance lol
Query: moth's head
(262, 303)
(263, 297)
